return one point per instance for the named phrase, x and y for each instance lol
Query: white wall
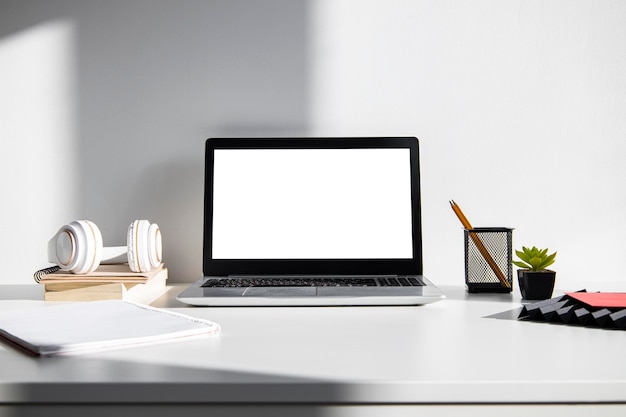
(518, 105)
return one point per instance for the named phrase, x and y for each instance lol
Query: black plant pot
(536, 285)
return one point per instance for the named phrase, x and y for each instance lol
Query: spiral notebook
(97, 325)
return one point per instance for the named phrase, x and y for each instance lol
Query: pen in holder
(488, 259)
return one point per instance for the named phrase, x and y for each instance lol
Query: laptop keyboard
(314, 282)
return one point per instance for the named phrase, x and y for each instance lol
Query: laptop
(312, 222)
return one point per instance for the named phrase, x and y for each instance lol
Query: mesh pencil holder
(488, 259)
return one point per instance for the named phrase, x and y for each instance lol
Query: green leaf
(522, 255)
(521, 265)
(535, 262)
(548, 261)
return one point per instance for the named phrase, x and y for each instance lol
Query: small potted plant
(535, 281)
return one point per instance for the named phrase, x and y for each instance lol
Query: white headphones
(77, 247)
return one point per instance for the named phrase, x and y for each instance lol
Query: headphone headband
(77, 247)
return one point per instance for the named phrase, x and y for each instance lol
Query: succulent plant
(534, 259)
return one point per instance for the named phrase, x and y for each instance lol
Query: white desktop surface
(463, 350)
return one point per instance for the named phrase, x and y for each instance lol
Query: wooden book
(108, 282)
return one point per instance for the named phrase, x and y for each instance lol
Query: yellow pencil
(479, 244)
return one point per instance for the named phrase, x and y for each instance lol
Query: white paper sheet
(97, 325)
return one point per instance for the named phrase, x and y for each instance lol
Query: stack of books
(108, 282)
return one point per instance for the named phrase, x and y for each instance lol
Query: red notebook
(601, 299)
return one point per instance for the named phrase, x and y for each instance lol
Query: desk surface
(465, 349)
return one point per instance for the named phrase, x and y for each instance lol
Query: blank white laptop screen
(312, 204)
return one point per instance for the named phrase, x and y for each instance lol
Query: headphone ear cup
(137, 240)
(91, 239)
(77, 247)
(155, 245)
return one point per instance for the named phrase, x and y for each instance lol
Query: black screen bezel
(222, 267)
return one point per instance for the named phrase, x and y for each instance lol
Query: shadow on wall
(154, 79)
(172, 194)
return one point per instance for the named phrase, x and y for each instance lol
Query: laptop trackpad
(280, 292)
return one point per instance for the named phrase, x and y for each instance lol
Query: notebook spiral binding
(37, 275)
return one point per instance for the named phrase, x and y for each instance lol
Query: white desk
(447, 358)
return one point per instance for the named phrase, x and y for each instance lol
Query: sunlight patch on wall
(37, 143)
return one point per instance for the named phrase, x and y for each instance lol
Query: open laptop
(312, 222)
